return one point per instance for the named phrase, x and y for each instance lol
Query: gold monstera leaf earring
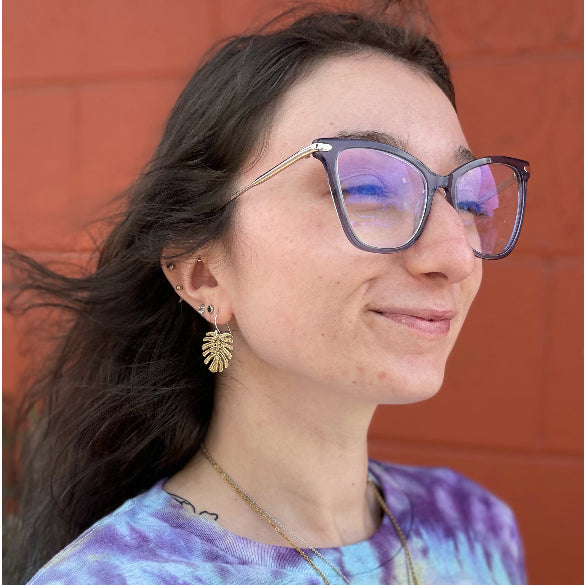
(217, 348)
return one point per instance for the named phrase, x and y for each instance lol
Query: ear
(192, 278)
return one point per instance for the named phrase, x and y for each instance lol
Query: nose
(443, 247)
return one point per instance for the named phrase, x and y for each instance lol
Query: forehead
(363, 93)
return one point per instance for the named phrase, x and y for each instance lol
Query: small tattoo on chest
(191, 508)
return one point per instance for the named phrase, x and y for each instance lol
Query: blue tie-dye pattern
(458, 534)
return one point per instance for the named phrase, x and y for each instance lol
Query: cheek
(296, 233)
(268, 268)
(284, 275)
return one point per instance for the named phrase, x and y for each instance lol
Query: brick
(68, 40)
(533, 110)
(120, 126)
(38, 167)
(497, 27)
(70, 263)
(564, 390)
(40, 39)
(55, 39)
(234, 17)
(143, 36)
(546, 493)
(502, 27)
(493, 388)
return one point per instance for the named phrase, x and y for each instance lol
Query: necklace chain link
(280, 528)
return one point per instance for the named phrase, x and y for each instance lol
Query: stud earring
(201, 309)
(170, 266)
(210, 309)
(179, 287)
(217, 348)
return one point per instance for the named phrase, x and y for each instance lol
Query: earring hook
(217, 328)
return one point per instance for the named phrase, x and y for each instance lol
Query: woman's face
(308, 307)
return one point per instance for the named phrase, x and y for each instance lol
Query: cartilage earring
(201, 309)
(217, 348)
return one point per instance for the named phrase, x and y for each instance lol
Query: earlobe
(195, 283)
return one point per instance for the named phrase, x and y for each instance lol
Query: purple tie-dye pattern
(458, 534)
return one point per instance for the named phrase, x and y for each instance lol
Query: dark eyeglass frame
(327, 151)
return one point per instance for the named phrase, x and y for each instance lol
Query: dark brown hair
(124, 399)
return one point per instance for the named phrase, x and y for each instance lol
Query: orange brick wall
(87, 87)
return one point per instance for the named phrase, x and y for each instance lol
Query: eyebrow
(372, 135)
(462, 154)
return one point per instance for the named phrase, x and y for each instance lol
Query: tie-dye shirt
(457, 534)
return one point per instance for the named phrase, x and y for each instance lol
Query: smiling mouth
(435, 324)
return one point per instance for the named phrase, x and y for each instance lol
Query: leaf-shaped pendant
(217, 349)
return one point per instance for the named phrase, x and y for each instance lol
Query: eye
(473, 207)
(369, 189)
(477, 191)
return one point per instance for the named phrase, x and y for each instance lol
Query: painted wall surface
(87, 88)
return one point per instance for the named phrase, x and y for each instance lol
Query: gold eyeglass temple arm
(304, 152)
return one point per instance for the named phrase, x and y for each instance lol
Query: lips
(435, 322)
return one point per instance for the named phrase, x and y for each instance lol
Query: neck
(299, 454)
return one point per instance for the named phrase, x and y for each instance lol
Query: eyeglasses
(383, 195)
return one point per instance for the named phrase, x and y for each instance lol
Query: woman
(232, 257)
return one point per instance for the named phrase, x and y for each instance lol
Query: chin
(415, 388)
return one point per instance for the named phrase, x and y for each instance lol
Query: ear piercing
(179, 287)
(171, 265)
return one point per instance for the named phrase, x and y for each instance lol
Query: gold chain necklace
(411, 572)
(280, 528)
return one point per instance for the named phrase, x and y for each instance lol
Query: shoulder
(445, 492)
(452, 511)
(122, 546)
